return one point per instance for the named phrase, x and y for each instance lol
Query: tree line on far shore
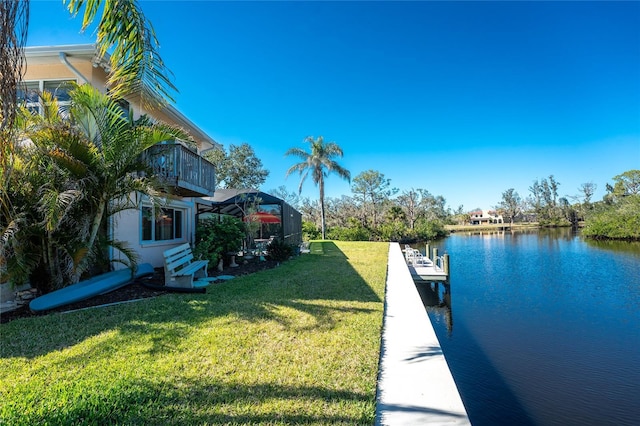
(377, 211)
(616, 216)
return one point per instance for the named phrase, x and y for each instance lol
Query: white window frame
(37, 106)
(153, 240)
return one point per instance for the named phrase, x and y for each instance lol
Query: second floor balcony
(186, 173)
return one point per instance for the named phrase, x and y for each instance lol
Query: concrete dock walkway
(415, 386)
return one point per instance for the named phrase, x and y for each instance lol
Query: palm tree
(92, 163)
(137, 71)
(320, 162)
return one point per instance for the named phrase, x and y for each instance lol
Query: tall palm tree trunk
(93, 234)
(14, 21)
(322, 214)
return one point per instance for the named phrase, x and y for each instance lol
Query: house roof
(89, 52)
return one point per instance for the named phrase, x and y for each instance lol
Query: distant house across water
(485, 217)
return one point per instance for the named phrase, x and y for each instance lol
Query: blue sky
(463, 99)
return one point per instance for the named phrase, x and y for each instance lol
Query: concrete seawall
(415, 386)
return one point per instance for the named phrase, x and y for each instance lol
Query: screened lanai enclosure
(267, 217)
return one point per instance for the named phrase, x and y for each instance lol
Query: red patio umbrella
(262, 217)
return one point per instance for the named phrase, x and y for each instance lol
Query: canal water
(541, 328)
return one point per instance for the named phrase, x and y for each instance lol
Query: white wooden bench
(180, 268)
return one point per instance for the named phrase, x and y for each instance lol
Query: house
(484, 217)
(189, 176)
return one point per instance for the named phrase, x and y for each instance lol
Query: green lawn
(295, 344)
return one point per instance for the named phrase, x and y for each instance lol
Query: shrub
(279, 250)
(343, 233)
(619, 221)
(393, 231)
(215, 238)
(355, 231)
(310, 231)
(428, 230)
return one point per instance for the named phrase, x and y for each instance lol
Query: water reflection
(436, 297)
(493, 233)
(632, 247)
(563, 232)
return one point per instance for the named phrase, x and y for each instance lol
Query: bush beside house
(217, 237)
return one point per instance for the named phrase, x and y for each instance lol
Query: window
(125, 106)
(59, 89)
(162, 225)
(29, 93)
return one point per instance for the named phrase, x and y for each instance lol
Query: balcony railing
(184, 171)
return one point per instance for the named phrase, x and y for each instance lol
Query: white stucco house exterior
(188, 175)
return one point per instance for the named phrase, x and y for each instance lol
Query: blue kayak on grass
(91, 287)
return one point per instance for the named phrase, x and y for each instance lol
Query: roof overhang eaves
(87, 52)
(195, 131)
(78, 49)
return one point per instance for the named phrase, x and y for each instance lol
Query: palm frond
(55, 205)
(131, 257)
(18, 256)
(137, 68)
(298, 167)
(99, 116)
(303, 177)
(297, 152)
(68, 162)
(333, 150)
